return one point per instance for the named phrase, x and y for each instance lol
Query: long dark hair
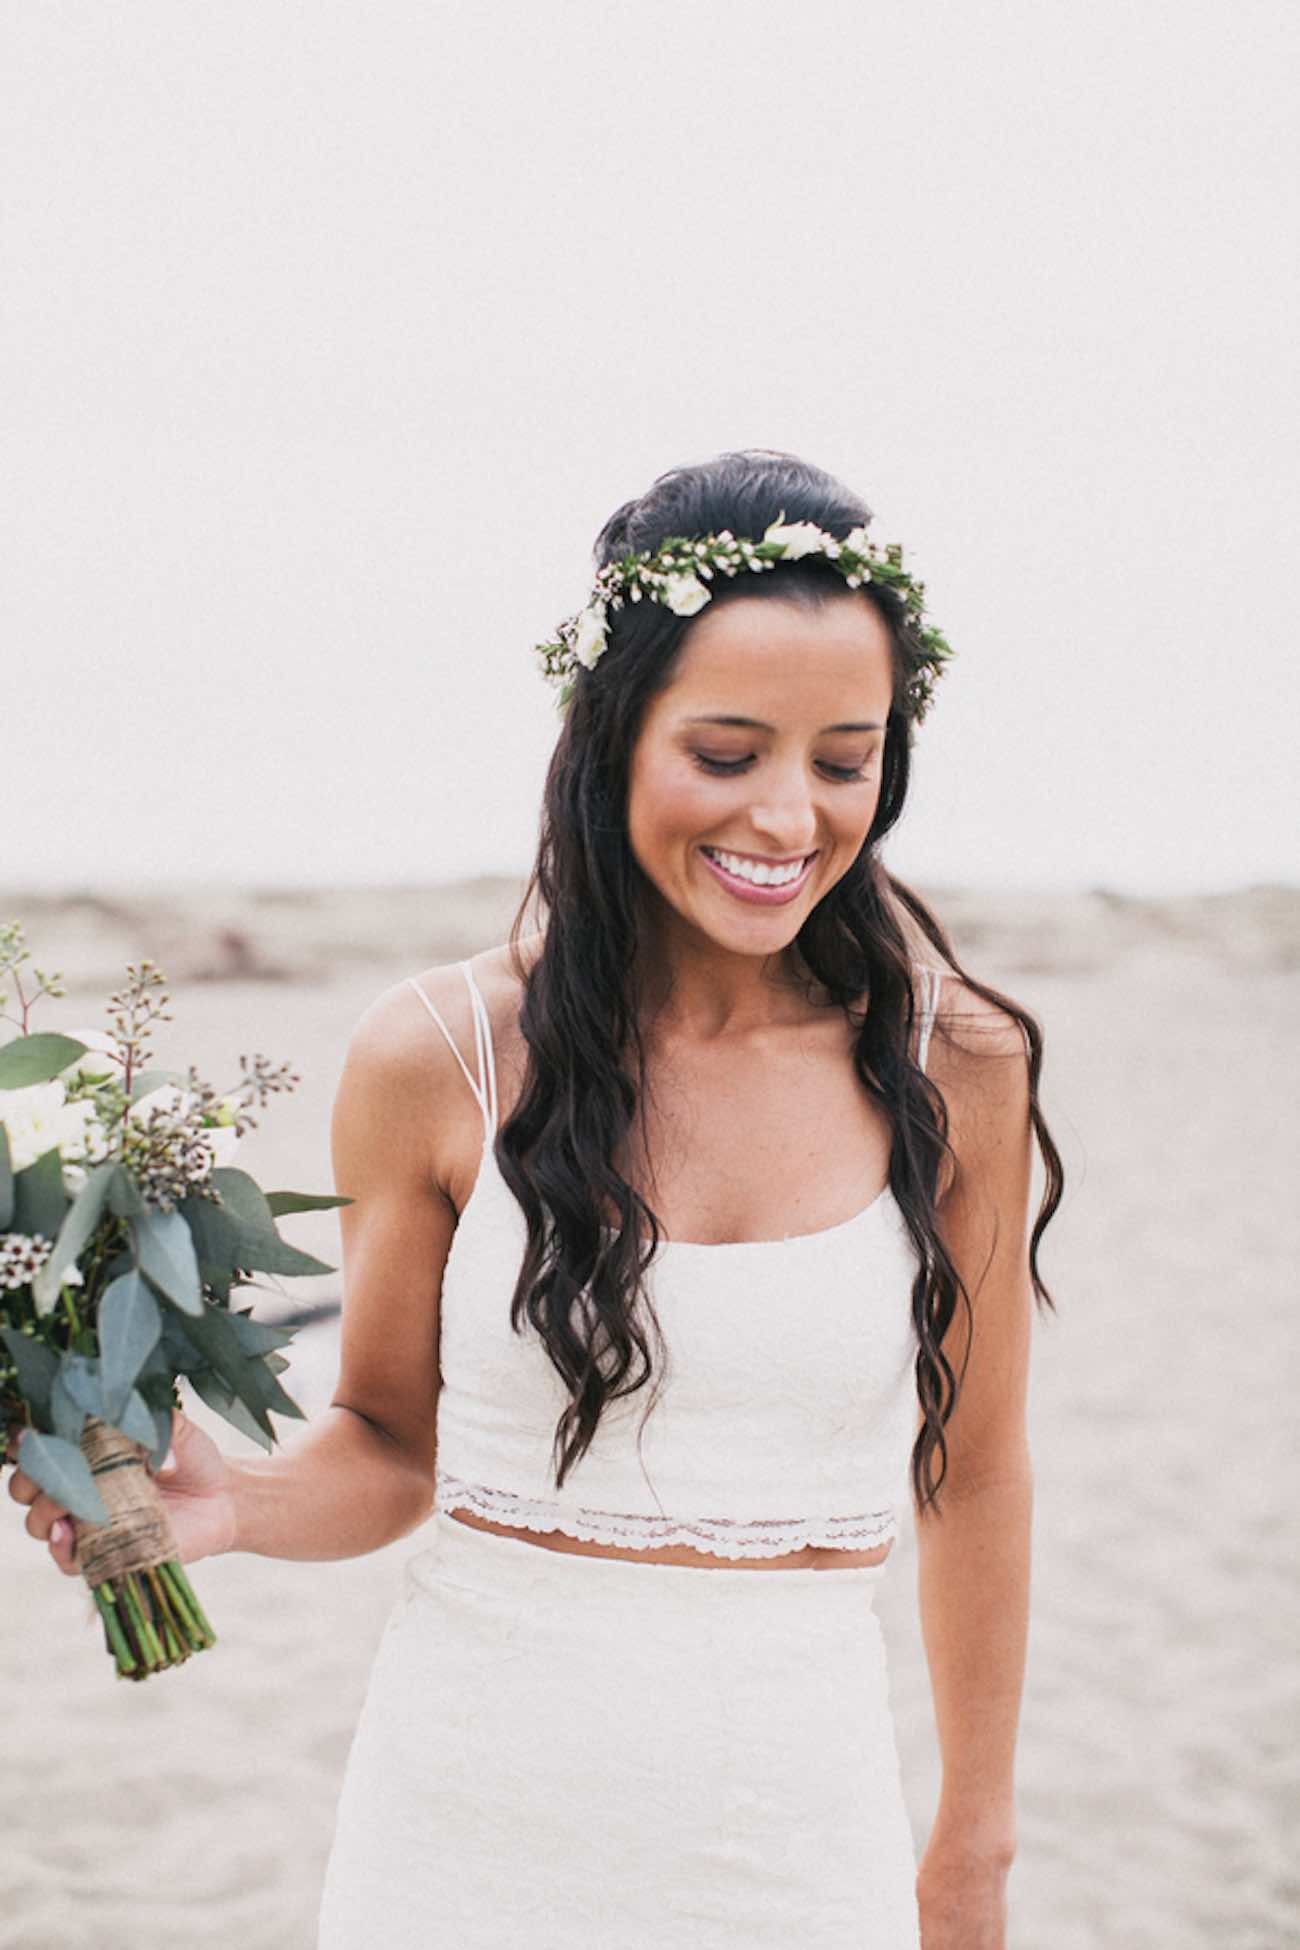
(591, 1235)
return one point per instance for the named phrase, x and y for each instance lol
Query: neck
(692, 987)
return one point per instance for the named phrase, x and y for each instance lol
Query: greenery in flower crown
(678, 571)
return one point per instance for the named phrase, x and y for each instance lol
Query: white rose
(856, 539)
(38, 1118)
(589, 642)
(797, 538)
(81, 1131)
(684, 594)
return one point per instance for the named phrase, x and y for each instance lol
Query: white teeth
(754, 871)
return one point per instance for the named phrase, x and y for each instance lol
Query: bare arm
(339, 1489)
(362, 1473)
(974, 1559)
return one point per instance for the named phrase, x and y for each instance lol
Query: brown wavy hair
(591, 1234)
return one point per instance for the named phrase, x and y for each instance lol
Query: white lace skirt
(559, 1751)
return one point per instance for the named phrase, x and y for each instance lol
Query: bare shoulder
(979, 1060)
(420, 1050)
(972, 1030)
(399, 1057)
(397, 1036)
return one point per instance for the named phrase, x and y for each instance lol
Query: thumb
(182, 1431)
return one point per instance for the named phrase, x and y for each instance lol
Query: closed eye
(842, 774)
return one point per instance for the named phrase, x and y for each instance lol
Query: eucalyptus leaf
(244, 1375)
(223, 1403)
(166, 1254)
(130, 1323)
(217, 1342)
(216, 1280)
(36, 1365)
(120, 1263)
(6, 1181)
(67, 1416)
(157, 1377)
(39, 1198)
(162, 1435)
(241, 1232)
(282, 1202)
(156, 1383)
(80, 1376)
(215, 1232)
(259, 1336)
(124, 1199)
(63, 1473)
(74, 1235)
(243, 1198)
(260, 1389)
(181, 1352)
(271, 1254)
(136, 1421)
(148, 1080)
(36, 1059)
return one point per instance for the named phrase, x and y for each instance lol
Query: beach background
(1159, 1790)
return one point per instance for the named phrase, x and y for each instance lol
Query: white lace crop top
(788, 1411)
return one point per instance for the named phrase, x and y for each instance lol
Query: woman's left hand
(961, 1892)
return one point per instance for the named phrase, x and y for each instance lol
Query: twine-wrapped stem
(149, 1612)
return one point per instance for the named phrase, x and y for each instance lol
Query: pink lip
(745, 890)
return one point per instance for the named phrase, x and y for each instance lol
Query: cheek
(858, 809)
(669, 803)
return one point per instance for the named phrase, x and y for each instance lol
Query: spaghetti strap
(483, 1049)
(484, 1085)
(932, 980)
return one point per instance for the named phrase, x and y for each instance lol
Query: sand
(1159, 1788)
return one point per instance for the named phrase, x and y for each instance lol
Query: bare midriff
(813, 1557)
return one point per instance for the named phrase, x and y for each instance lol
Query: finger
(43, 1516)
(63, 1546)
(21, 1487)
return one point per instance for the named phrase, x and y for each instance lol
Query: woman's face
(756, 774)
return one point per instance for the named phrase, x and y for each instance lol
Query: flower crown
(676, 574)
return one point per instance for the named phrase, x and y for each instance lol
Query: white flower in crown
(677, 573)
(590, 637)
(684, 593)
(800, 538)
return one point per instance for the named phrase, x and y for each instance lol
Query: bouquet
(124, 1232)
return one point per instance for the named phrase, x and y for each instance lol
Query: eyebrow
(757, 724)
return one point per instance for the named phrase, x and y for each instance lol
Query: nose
(785, 818)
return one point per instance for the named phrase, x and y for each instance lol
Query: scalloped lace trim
(719, 1536)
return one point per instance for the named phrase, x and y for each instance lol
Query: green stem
(170, 1621)
(71, 1310)
(117, 1644)
(152, 1619)
(197, 1629)
(145, 1636)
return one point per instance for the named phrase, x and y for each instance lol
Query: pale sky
(331, 335)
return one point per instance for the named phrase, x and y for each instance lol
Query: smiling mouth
(751, 878)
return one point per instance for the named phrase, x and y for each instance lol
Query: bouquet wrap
(131, 1563)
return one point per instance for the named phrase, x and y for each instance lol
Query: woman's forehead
(788, 654)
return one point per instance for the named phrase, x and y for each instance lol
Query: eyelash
(728, 767)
